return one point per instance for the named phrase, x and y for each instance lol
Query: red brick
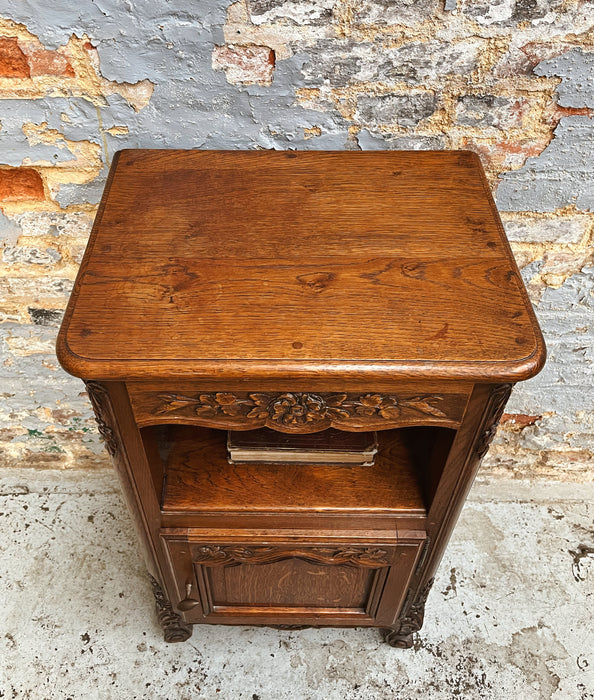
(13, 62)
(560, 112)
(20, 185)
(522, 60)
(245, 64)
(505, 154)
(44, 62)
(519, 420)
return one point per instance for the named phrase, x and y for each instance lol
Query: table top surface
(254, 264)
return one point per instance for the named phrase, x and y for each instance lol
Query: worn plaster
(563, 175)
(512, 81)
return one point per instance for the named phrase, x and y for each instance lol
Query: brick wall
(511, 80)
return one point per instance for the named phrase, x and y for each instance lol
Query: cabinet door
(288, 583)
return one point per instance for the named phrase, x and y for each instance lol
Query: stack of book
(326, 447)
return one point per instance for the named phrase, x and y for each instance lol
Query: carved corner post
(411, 617)
(410, 620)
(174, 628)
(100, 395)
(495, 407)
(99, 398)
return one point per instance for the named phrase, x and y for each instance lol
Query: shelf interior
(198, 478)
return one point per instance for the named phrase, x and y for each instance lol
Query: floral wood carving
(400, 636)
(301, 411)
(100, 402)
(216, 555)
(493, 414)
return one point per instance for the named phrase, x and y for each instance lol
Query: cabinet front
(286, 584)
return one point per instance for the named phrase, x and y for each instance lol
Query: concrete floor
(510, 616)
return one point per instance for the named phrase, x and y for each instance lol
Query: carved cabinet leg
(410, 620)
(174, 628)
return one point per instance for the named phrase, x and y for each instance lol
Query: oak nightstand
(297, 291)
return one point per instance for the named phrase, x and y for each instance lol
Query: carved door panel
(283, 583)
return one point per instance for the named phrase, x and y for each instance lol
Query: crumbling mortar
(86, 82)
(565, 213)
(240, 30)
(579, 256)
(397, 35)
(63, 269)
(539, 121)
(495, 49)
(345, 15)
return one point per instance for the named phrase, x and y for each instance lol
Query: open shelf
(198, 478)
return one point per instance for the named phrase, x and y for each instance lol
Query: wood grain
(286, 576)
(220, 264)
(290, 583)
(199, 478)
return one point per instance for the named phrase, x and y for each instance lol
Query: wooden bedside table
(297, 291)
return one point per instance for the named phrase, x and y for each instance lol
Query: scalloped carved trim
(302, 411)
(231, 555)
(102, 408)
